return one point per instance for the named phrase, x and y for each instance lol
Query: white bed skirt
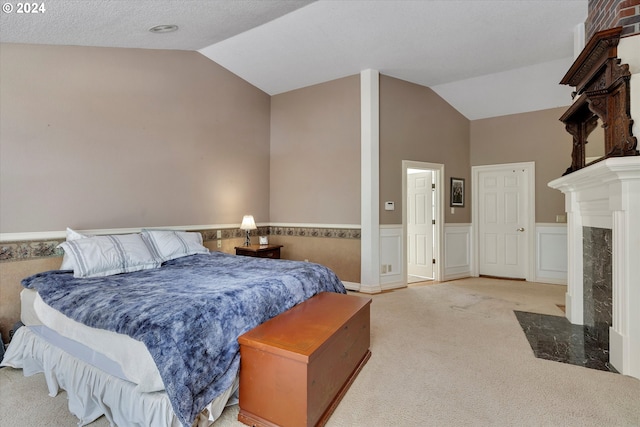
(92, 392)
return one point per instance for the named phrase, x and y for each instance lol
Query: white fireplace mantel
(607, 195)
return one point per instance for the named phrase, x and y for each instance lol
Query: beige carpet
(447, 354)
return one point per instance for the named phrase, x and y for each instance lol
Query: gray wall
(117, 138)
(537, 136)
(315, 154)
(416, 124)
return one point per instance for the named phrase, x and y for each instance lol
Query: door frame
(438, 171)
(415, 266)
(529, 234)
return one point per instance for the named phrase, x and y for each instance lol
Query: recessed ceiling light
(164, 28)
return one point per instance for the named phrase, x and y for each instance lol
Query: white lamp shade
(248, 223)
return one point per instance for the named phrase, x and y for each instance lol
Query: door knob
(520, 229)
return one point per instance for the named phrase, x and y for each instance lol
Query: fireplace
(603, 227)
(602, 197)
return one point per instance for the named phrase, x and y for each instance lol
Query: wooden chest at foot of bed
(295, 368)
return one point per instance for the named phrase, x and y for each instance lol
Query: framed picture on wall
(457, 192)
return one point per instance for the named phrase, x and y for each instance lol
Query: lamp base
(247, 240)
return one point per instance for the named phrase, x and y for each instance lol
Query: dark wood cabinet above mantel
(602, 97)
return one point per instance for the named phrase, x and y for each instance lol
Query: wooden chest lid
(302, 330)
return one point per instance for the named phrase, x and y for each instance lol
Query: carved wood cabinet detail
(602, 88)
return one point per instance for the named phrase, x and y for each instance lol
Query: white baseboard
(370, 289)
(456, 276)
(351, 286)
(617, 351)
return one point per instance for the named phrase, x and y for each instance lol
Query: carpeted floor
(447, 354)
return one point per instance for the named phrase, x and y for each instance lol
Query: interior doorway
(420, 224)
(422, 220)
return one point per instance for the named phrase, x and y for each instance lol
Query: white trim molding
(352, 286)
(438, 238)
(62, 234)
(305, 225)
(369, 180)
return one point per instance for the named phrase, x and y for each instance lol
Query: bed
(152, 341)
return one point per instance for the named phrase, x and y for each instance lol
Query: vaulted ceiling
(485, 57)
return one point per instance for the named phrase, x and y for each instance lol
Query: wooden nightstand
(260, 251)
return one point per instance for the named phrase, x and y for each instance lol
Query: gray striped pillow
(101, 256)
(170, 244)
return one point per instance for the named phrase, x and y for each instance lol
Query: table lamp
(248, 224)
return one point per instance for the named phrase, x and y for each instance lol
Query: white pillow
(67, 261)
(170, 244)
(101, 256)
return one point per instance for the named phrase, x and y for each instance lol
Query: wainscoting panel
(551, 253)
(391, 261)
(457, 251)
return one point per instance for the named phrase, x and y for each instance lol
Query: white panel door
(502, 218)
(420, 224)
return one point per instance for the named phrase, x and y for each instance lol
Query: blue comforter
(189, 313)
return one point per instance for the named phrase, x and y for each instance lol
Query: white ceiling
(474, 53)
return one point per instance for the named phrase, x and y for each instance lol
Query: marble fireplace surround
(607, 195)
